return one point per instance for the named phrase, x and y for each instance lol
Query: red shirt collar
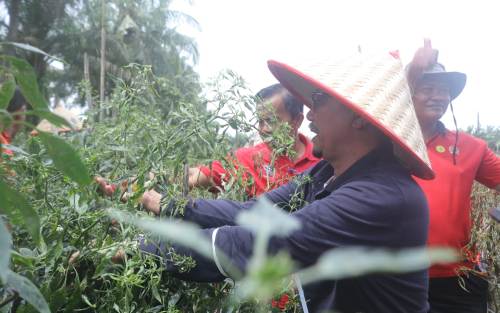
(441, 131)
(309, 146)
(308, 153)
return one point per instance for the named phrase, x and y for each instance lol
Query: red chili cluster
(281, 303)
(473, 257)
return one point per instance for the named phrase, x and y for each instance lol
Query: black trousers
(447, 296)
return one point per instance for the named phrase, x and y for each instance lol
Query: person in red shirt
(5, 140)
(262, 166)
(262, 169)
(458, 159)
(17, 107)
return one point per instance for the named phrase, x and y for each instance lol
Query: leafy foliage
(7, 90)
(12, 202)
(490, 134)
(141, 32)
(27, 291)
(19, 210)
(72, 266)
(485, 237)
(65, 157)
(486, 232)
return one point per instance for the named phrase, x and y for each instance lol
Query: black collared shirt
(375, 203)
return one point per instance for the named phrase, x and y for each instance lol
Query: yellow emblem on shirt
(440, 149)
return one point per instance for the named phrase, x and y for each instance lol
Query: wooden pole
(86, 77)
(103, 56)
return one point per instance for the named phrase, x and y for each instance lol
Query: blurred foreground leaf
(184, 233)
(26, 79)
(5, 246)
(265, 218)
(352, 262)
(31, 48)
(66, 159)
(19, 210)
(28, 291)
(7, 91)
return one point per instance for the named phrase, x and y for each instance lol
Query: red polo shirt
(5, 140)
(258, 171)
(449, 194)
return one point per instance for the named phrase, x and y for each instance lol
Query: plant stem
(8, 300)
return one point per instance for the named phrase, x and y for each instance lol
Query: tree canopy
(142, 32)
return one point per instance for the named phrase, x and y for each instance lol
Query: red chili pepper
(283, 302)
(274, 304)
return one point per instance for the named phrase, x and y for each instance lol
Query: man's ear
(358, 122)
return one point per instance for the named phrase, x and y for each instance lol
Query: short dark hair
(17, 101)
(292, 105)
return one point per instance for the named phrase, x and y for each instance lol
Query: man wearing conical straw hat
(360, 194)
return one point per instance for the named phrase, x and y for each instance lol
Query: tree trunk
(86, 77)
(13, 20)
(103, 57)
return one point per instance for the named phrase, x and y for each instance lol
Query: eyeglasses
(319, 98)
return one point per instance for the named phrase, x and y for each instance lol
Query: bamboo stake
(103, 56)
(86, 76)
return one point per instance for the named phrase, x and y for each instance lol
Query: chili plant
(63, 238)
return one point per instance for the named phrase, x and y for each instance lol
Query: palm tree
(137, 31)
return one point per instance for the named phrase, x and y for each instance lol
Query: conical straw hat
(69, 116)
(373, 86)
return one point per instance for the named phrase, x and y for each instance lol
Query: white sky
(243, 34)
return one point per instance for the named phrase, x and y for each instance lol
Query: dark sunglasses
(319, 98)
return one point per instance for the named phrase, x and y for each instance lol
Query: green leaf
(87, 301)
(343, 263)
(30, 48)
(156, 294)
(23, 260)
(184, 233)
(19, 210)
(5, 245)
(264, 217)
(26, 79)
(53, 118)
(7, 91)
(28, 291)
(265, 220)
(15, 149)
(66, 159)
(267, 280)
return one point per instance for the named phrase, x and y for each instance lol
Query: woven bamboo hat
(373, 86)
(69, 116)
